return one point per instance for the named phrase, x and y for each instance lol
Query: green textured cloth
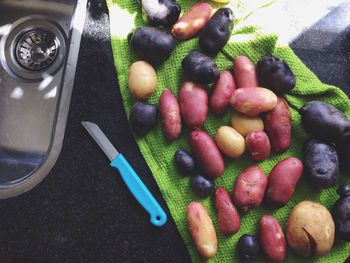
(246, 40)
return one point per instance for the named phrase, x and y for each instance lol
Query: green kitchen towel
(248, 40)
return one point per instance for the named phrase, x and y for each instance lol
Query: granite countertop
(82, 212)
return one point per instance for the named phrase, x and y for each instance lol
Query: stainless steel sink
(39, 46)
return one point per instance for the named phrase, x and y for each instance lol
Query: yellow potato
(310, 229)
(230, 142)
(246, 124)
(142, 80)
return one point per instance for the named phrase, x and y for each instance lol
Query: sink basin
(39, 46)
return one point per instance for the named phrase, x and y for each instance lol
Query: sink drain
(37, 49)
(34, 46)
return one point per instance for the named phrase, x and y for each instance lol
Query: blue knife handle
(140, 191)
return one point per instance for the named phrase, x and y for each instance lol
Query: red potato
(253, 101)
(278, 126)
(245, 72)
(193, 100)
(220, 98)
(170, 114)
(272, 239)
(228, 217)
(249, 188)
(282, 181)
(207, 154)
(258, 145)
(192, 21)
(202, 230)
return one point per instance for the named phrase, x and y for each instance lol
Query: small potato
(230, 142)
(220, 98)
(206, 153)
(170, 114)
(142, 80)
(245, 72)
(249, 188)
(325, 122)
(246, 124)
(202, 230)
(272, 239)
(228, 216)
(193, 100)
(253, 101)
(258, 145)
(278, 126)
(282, 181)
(217, 31)
(310, 229)
(192, 21)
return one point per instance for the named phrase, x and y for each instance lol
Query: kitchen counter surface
(82, 212)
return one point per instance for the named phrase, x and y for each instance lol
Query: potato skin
(278, 126)
(151, 44)
(321, 164)
(202, 230)
(310, 229)
(200, 68)
(275, 74)
(220, 98)
(170, 115)
(249, 188)
(325, 122)
(230, 142)
(246, 124)
(206, 153)
(282, 181)
(245, 72)
(272, 239)
(217, 31)
(193, 100)
(192, 21)
(258, 145)
(228, 216)
(253, 101)
(142, 80)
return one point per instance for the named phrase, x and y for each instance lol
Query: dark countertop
(82, 212)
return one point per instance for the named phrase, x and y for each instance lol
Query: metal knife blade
(101, 139)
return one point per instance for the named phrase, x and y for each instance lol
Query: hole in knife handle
(158, 218)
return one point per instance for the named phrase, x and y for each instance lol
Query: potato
(151, 44)
(202, 230)
(160, 13)
(246, 124)
(200, 68)
(253, 101)
(217, 31)
(310, 229)
(228, 217)
(142, 80)
(321, 164)
(170, 115)
(341, 213)
(325, 122)
(143, 118)
(272, 239)
(275, 74)
(193, 100)
(192, 21)
(278, 126)
(258, 145)
(282, 181)
(230, 142)
(343, 150)
(206, 153)
(249, 188)
(220, 98)
(245, 72)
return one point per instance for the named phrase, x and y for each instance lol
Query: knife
(129, 176)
